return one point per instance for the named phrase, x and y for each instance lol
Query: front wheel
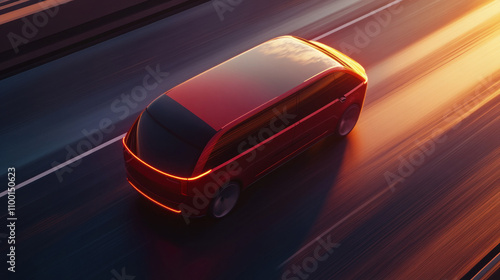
(225, 200)
(348, 120)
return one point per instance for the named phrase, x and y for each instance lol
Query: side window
(324, 91)
(253, 131)
(344, 84)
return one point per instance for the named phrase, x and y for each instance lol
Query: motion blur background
(412, 193)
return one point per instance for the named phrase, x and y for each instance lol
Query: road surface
(412, 193)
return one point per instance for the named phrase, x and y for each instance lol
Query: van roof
(243, 83)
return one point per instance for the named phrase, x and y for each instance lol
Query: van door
(271, 136)
(283, 123)
(260, 142)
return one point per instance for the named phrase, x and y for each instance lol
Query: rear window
(162, 148)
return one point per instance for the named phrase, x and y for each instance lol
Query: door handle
(342, 99)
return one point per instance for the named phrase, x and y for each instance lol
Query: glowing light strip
(161, 172)
(145, 195)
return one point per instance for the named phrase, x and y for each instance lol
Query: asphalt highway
(412, 193)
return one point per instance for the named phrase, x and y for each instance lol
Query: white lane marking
(391, 187)
(487, 268)
(356, 20)
(55, 168)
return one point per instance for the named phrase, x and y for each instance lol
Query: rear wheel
(225, 200)
(348, 120)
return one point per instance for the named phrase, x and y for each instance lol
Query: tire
(348, 120)
(225, 200)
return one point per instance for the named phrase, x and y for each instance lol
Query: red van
(194, 148)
